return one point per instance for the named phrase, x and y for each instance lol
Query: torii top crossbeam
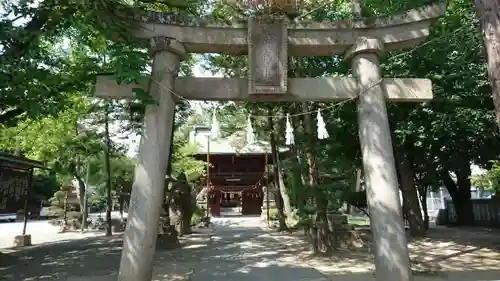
(269, 42)
(305, 38)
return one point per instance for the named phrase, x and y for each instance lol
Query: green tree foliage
(184, 162)
(51, 52)
(489, 181)
(40, 71)
(56, 140)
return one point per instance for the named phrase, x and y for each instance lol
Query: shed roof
(22, 162)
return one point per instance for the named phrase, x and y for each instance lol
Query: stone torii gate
(268, 43)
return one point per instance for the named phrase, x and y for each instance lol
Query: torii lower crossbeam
(300, 89)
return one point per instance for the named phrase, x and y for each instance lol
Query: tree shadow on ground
(98, 258)
(446, 253)
(86, 258)
(458, 249)
(244, 253)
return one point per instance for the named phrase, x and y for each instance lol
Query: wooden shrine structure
(237, 173)
(16, 173)
(269, 40)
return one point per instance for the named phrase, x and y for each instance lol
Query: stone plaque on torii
(268, 42)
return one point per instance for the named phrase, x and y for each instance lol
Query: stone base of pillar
(167, 235)
(22, 240)
(337, 221)
(203, 207)
(167, 239)
(343, 235)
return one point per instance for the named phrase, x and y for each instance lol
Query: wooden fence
(486, 212)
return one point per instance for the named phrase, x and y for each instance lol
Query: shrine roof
(233, 144)
(7, 159)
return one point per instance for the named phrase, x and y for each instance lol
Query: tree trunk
(185, 223)
(81, 192)
(463, 208)
(10, 117)
(276, 172)
(464, 188)
(107, 168)
(65, 218)
(353, 209)
(410, 196)
(320, 223)
(76, 174)
(85, 210)
(488, 13)
(423, 200)
(283, 190)
(121, 204)
(167, 200)
(297, 181)
(181, 203)
(167, 196)
(460, 195)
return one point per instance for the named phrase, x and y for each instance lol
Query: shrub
(54, 211)
(74, 216)
(273, 214)
(198, 215)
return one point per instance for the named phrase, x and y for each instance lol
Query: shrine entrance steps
(235, 212)
(230, 212)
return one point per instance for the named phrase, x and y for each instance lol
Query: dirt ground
(95, 259)
(41, 232)
(446, 253)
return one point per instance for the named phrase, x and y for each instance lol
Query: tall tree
(488, 13)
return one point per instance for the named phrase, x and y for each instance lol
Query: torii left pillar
(149, 178)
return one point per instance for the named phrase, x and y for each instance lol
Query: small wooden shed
(16, 173)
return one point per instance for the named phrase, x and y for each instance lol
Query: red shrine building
(237, 171)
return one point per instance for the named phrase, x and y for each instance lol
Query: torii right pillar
(391, 246)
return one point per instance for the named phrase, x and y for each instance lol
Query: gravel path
(238, 249)
(241, 250)
(41, 232)
(95, 259)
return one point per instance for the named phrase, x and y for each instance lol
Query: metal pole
(208, 176)
(267, 193)
(27, 194)
(107, 168)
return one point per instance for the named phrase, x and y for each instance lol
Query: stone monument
(268, 42)
(268, 200)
